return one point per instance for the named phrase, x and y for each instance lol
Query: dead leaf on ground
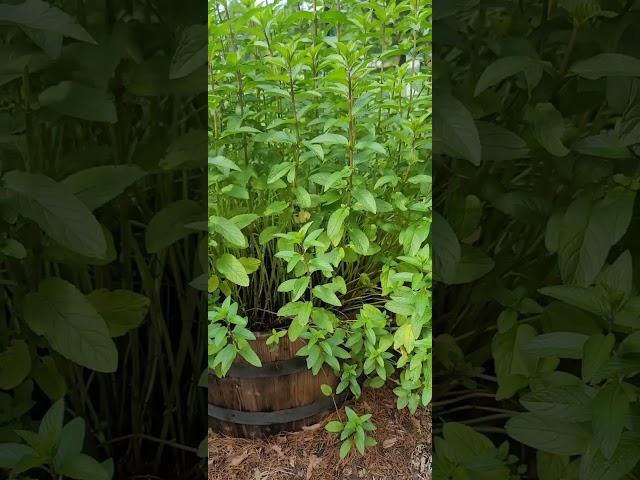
(238, 459)
(389, 442)
(312, 428)
(277, 449)
(313, 462)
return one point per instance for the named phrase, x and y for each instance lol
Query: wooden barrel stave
(282, 396)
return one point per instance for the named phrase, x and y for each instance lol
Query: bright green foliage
(319, 177)
(354, 432)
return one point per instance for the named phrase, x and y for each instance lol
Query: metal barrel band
(277, 416)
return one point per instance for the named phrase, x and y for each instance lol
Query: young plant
(355, 432)
(56, 448)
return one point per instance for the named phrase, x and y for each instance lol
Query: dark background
(136, 101)
(536, 246)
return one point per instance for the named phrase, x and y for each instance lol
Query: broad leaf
(59, 312)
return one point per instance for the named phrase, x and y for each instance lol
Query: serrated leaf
(168, 225)
(57, 212)
(232, 269)
(330, 139)
(59, 312)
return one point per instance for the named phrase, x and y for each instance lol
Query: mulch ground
(403, 451)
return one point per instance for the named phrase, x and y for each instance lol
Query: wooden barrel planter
(281, 396)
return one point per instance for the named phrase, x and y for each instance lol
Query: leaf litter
(403, 451)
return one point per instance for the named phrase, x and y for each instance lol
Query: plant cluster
(320, 190)
(536, 250)
(99, 211)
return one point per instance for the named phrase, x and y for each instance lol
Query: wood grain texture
(269, 394)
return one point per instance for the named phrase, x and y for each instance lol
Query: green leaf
(588, 299)
(229, 231)
(557, 344)
(359, 440)
(446, 249)
(610, 411)
(552, 436)
(223, 164)
(303, 197)
(473, 264)
(296, 328)
(97, 186)
(191, 52)
(335, 228)
(49, 378)
(278, 171)
(79, 101)
(12, 453)
(345, 448)
(83, 467)
(330, 139)
(250, 265)
(503, 68)
(122, 310)
(513, 363)
(455, 128)
(225, 358)
(327, 295)
(359, 240)
(185, 151)
(13, 249)
(40, 15)
(595, 466)
(366, 199)
(250, 356)
(607, 65)
(168, 225)
(334, 426)
(15, 364)
(203, 448)
(500, 144)
(568, 403)
(51, 423)
(71, 325)
(588, 232)
(328, 391)
(548, 128)
(57, 212)
(299, 287)
(551, 466)
(232, 269)
(404, 337)
(71, 441)
(597, 350)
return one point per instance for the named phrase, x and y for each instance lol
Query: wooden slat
(282, 395)
(268, 370)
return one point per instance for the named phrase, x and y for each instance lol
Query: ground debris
(403, 452)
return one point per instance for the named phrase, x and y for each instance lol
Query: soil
(403, 451)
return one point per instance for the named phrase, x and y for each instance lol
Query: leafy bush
(319, 192)
(536, 240)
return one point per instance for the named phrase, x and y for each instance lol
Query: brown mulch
(403, 451)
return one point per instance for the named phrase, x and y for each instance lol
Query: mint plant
(354, 432)
(55, 447)
(320, 186)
